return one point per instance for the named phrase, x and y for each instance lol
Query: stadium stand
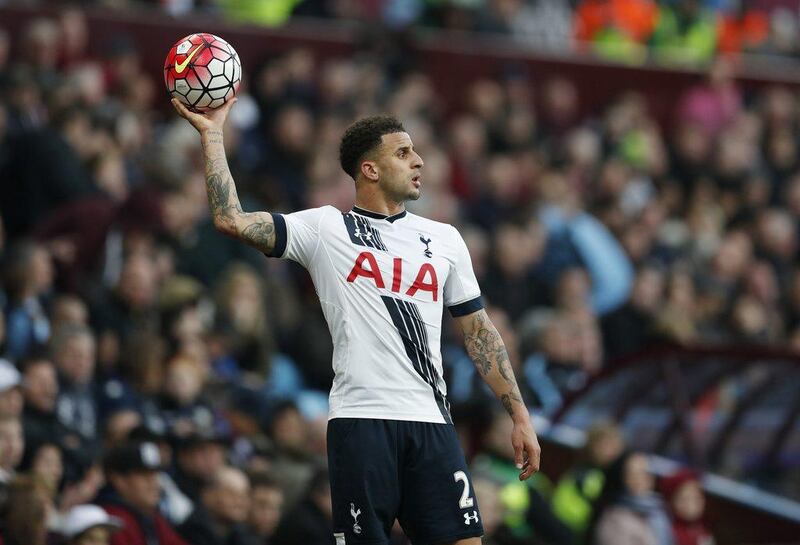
(625, 175)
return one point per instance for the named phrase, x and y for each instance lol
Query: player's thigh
(438, 505)
(365, 492)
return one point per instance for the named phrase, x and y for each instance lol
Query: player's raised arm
(489, 354)
(255, 228)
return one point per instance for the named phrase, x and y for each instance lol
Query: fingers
(532, 460)
(518, 456)
(228, 105)
(526, 472)
(221, 113)
(183, 111)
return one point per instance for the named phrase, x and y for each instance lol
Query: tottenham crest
(355, 514)
(426, 241)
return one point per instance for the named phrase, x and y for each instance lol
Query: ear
(370, 170)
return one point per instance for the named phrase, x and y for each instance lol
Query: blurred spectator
(11, 402)
(199, 455)
(617, 28)
(715, 104)
(686, 33)
(579, 488)
(44, 461)
(27, 279)
(581, 241)
(73, 348)
(488, 493)
(509, 281)
(743, 29)
(219, 516)
(89, 525)
(631, 327)
(628, 509)
(46, 169)
(293, 463)
(129, 308)
(311, 520)
(678, 319)
(686, 503)
(181, 405)
(528, 515)
(40, 392)
(68, 310)
(87, 235)
(133, 494)
(266, 506)
(25, 512)
(241, 304)
(568, 352)
(12, 446)
(174, 504)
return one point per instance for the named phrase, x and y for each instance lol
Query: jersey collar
(375, 215)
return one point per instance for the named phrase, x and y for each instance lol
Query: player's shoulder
(317, 213)
(438, 228)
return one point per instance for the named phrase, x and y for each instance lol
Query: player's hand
(204, 121)
(527, 452)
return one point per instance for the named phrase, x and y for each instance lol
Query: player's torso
(381, 288)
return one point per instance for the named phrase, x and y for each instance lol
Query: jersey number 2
(465, 501)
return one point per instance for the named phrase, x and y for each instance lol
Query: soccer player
(382, 276)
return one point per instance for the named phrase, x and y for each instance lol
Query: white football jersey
(382, 282)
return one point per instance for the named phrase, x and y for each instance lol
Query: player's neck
(379, 205)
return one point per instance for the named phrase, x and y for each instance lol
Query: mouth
(417, 181)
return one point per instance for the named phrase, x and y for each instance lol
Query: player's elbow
(225, 225)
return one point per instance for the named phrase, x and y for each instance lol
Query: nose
(418, 162)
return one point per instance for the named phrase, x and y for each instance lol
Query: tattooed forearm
(508, 402)
(219, 198)
(222, 197)
(487, 350)
(260, 234)
(256, 229)
(213, 137)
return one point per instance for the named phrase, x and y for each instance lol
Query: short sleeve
(462, 294)
(297, 235)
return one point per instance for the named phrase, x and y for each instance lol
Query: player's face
(400, 166)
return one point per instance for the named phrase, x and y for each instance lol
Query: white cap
(84, 517)
(9, 376)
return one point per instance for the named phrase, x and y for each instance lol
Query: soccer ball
(203, 71)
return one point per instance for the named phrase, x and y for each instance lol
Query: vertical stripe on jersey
(408, 321)
(362, 233)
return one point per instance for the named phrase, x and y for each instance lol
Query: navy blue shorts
(415, 472)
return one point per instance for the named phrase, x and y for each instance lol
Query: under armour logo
(358, 233)
(468, 519)
(425, 241)
(355, 514)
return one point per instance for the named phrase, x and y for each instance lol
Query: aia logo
(427, 251)
(367, 266)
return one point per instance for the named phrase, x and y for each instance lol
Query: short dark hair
(362, 137)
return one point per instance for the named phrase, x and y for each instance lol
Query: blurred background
(625, 174)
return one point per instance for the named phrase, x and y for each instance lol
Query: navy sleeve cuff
(467, 307)
(280, 236)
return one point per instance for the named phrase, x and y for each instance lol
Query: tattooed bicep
(258, 230)
(473, 323)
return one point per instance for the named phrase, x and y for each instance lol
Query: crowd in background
(684, 32)
(176, 377)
